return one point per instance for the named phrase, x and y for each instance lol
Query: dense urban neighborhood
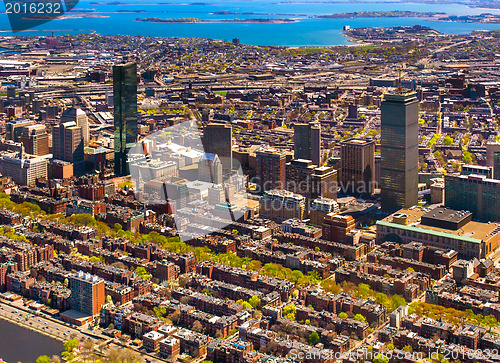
(197, 200)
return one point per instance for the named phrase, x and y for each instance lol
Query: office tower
(80, 117)
(281, 205)
(399, 150)
(378, 167)
(493, 158)
(210, 169)
(298, 177)
(218, 139)
(352, 112)
(125, 114)
(271, 169)
(36, 106)
(307, 141)
(11, 92)
(87, 293)
(67, 145)
(24, 169)
(358, 166)
(311, 181)
(324, 182)
(52, 111)
(474, 193)
(15, 127)
(35, 139)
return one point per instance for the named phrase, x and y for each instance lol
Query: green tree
(313, 338)
(380, 358)
(141, 271)
(43, 359)
(381, 298)
(289, 311)
(360, 318)
(397, 301)
(244, 303)
(408, 348)
(160, 311)
(314, 277)
(70, 345)
(363, 290)
(254, 301)
(330, 286)
(490, 321)
(297, 276)
(467, 157)
(343, 315)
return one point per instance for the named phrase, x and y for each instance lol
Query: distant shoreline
(66, 16)
(380, 14)
(201, 21)
(434, 16)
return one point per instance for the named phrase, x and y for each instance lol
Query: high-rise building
(474, 193)
(307, 141)
(399, 150)
(281, 205)
(352, 111)
(298, 176)
(80, 117)
(35, 140)
(271, 169)
(324, 182)
(87, 293)
(24, 169)
(218, 139)
(311, 181)
(11, 92)
(15, 127)
(358, 166)
(67, 145)
(493, 158)
(125, 114)
(210, 169)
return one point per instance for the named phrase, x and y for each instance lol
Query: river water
(18, 344)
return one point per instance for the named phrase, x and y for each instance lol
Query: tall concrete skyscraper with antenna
(399, 150)
(125, 113)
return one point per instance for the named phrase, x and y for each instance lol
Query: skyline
(182, 199)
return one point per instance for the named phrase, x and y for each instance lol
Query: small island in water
(379, 14)
(197, 20)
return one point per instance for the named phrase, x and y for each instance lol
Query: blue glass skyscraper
(125, 113)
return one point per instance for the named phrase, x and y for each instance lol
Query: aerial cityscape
(250, 181)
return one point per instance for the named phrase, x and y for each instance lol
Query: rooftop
(471, 232)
